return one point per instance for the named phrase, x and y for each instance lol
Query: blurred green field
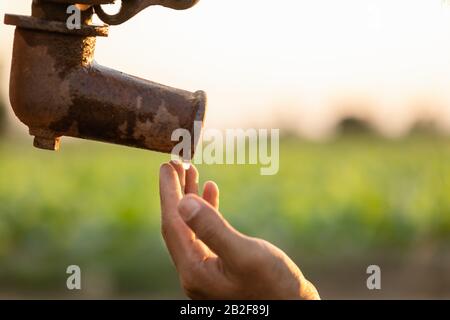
(97, 206)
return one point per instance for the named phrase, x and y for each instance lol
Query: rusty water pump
(57, 89)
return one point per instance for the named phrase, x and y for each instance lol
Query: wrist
(309, 291)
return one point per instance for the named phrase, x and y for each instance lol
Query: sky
(301, 64)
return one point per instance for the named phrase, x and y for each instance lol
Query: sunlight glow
(297, 62)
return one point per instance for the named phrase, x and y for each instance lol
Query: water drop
(186, 164)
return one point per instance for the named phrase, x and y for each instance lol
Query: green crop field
(332, 204)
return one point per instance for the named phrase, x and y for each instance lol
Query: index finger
(177, 235)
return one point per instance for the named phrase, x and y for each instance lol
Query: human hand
(214, 261)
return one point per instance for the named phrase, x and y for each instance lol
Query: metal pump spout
(57, 89)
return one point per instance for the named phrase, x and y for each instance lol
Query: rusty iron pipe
(57, 89)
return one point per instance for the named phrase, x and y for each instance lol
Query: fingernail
(176, 162)
(189, 207)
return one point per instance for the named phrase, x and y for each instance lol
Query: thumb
(210, 227)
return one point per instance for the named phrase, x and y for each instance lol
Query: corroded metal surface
(91, 2)
(57, 89)
(129, 8)
(56, 11)
(54, 26)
